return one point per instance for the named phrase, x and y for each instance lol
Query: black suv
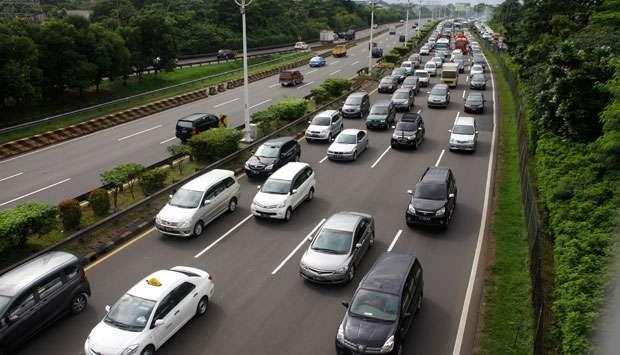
(225, 54)
(383, 307)
(271, 155)
(38, 292)
(434, 199)
(409, 131)
(194, 124)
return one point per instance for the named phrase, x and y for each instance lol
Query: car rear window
(185, 124)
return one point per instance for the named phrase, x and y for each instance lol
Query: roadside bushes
(120, 175)
(17, 223)
(214, 144)
(330, 89)
(401, 51)
(276, 116)
(99, 202)
(153, 180)
(391, 58)
(70, 214)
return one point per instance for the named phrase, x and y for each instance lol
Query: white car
(284, 191)
(349, 144)
(464, 134)
(431, 68)
(301, 46)
(151, 312)
(425, 50)
(324, 126)
(409, 66)
(476, 69)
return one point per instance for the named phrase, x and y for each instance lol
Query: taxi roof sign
(153, 281)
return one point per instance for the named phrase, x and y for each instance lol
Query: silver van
(199, 202)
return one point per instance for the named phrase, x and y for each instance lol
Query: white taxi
(151, 312)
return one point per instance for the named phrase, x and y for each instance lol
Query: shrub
(214, 144)
(22, 221)
(401, 51)
(70, 214)
(99, 201)
(153, 180)
(320, 95)
(289, 109)
(390, 58)
(119, 175)
(336, 87)
(177, 149)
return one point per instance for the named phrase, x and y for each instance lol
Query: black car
(478, 82)
(272, 155)
(400, 74)
(225, 54)
(383, 307)
(37, 293)
(357, 104)
(475, 102)
(382, 115)
(411, 82)
(409, 131)
(434, 198)
(194, 124)
(388, 84)
(377, 52)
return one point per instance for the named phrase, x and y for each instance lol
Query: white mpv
(464, 134)
(284, 191)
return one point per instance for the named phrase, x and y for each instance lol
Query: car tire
(149, 350)
(232, 204)
(78, 303)
(419, 305)
(297, 157)
(351, 274)
(287, 214)
(355, 155)
(310, 194)
(201, 308)
(329, 137)
(198, 229)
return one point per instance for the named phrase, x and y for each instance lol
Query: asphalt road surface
(261, 308)
(71, 168)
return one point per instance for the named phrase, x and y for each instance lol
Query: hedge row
(277, 115)
(17, 224)
(330, 89)
(214, 144)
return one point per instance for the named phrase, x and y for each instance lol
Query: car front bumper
(425, 220)
(323, 277)
(357, 114)
(257, 172)
(462, 146)
(352, 349)
(403, 142)
(340, 156)
(174, 230)
(437, 104)
(266, 212)
(376, 124)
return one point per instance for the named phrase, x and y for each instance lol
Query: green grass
(507, 326)
(115, 90)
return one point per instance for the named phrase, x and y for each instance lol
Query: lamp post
(372, 23)
(246, 111)
(419, 17)
(407, 23)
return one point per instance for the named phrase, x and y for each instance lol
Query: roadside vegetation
(565, 57)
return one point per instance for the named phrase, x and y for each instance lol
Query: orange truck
(461, 42)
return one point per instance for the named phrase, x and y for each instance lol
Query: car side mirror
(451, 196)
(410, 192)
(13, 317)
(158, 323)
(258, 187)
(476, 132)
(107, 309)
(170, 196)
(345, 304)
(309, 122)
(206, 202)
(450, 130)
(419, 128)
(358, 245)
(293, 191)
(309, 238)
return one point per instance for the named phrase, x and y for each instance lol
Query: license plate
(425, 218)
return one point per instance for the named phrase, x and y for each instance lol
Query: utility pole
(246, 111)
(419, 17)
(372, 23)
(407, 23)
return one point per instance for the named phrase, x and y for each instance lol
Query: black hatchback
(409, 131)
(383, 307)
(38, 292)
(272, 155)
(194, 124)
(434, 199)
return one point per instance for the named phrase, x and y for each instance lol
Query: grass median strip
(507, 325)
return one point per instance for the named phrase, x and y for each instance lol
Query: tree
(177, 149)
(120, 175)
(110, 55)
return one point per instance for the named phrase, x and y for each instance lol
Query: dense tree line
(566, 56)
(42, 61)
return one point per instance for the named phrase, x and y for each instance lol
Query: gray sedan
(337, 248)
(349, 144)
(403, 99)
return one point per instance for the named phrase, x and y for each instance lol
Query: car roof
(342, 221)
(194, 116)
(25, 275)
(402, 90)
(389, 77)
(440, 86)
(210, 178)
(288, 171)
(351, 131)
(410, 117)
(280, 141)
(465, 121)
(436, 174)
(475, 95)
(358, 94)
(326, 113)
(420, 71)
(381, 103)
(149, 290)
(389, 273)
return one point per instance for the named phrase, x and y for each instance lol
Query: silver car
(349, 144)
(324, 126)
(199, 202)
(403, 99)
(337, 248)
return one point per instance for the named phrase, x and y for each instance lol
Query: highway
(71, 168)
(262, 306)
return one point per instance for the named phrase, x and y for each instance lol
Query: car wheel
(310, 194)
(232, 205)
(355, 155)
(198, 228)
(419, 305)
(149, 350)
(201, 309)
(287, 214)
(371, 242)
(78, 303)
(351, 273)
(329, 137)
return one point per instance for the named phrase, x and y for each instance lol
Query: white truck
(327, 36)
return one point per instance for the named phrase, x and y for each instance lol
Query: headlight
(340, 335)
(440, 212)
(389, 344)
(157, 220)
(411, 137)
(269, 167)
(341, 270)
(452, 140)
(395, 136)
(184, 224)
(411, 209)
(130, 349)
(282, 205)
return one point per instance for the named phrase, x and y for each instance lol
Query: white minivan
(284, 191)
(199, 202)
(431, 68)
(464, 134)
(409, 66)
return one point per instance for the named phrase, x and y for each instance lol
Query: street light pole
(419, 17)
(246, 111)
(407, 23)
(372, 23)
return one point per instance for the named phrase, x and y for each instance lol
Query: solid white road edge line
(9, 177)
(336, 62)
(440, 156)
(304, 85)
(226, 102)
(167, 140)
(458, 114)
(135, 134)
(380, 157)
(223, 236)
(322, 160)
(458, 342)
(297, 247)
(394, 240)
(274, 85)
(260, 103)
(34, 192)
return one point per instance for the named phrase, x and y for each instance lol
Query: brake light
(210, 278)
(84, 278)
(194, 130)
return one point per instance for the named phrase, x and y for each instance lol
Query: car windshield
(386, 81)
(268, 151)
(333, 241)
(321, 121)
(353, 100)
(4, 302)
(130, 313)
(379, 110)
(476, 67)
(375, 305)
(428, 191)
(430, 66)
(400, 95)
(185, 198)
(410, 80)
(438, 91)
(346, 139)
(463, 129)
(437, 59)
(405, 126)
(421, 74)
(474, 99)
(399, 71)
(448, 74)
(278, 187)
(316, 59)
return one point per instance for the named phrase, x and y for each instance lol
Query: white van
(431, 68)
(199, 202)
(409, 66)
(464, 134)
(284, 191)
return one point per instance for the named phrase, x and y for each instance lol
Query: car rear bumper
(375, 125)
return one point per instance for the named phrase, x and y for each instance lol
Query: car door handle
(177, 312)
(195, 294)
